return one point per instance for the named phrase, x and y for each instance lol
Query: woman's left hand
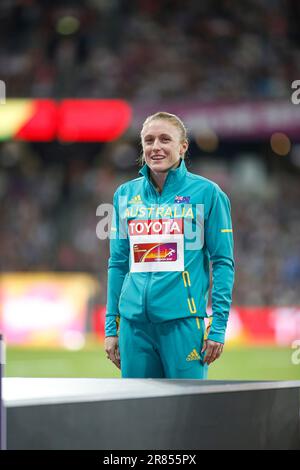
(212, 349)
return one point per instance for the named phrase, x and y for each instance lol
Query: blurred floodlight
(208, 140)
(67, 25)
(280, 143)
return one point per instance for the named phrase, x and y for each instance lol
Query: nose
(156, 144)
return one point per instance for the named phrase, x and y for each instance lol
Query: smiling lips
(157, 157)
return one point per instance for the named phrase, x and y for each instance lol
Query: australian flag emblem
(182, 199)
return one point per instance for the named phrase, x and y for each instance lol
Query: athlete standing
(168, 225)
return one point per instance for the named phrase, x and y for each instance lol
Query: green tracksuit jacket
(160, 252)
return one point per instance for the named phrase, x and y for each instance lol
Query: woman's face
(162, 145)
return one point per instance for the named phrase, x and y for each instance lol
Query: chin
(160, 167)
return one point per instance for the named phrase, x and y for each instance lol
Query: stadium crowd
(150, 49)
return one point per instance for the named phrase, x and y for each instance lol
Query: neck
(159, 178)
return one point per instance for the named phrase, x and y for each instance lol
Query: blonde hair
(173, 119)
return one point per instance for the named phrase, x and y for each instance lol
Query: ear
(183, 147)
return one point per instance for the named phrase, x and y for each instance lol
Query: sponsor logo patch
(156, 245)
(156, 227)
(154, 252)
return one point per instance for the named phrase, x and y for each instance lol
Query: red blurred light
(42, 126)
(92, 120)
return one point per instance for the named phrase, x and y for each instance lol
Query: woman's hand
(111, 345)
(213, 350)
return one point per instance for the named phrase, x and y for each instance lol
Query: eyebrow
(147, 136)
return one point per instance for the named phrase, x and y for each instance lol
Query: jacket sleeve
(219, 242)
(118, 267)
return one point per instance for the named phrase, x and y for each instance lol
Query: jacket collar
(174, 177)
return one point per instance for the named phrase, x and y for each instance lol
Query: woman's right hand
(111, 345)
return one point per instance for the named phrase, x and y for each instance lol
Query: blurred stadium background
(227, 69)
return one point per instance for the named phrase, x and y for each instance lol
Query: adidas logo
(136, 200)
(193, 356)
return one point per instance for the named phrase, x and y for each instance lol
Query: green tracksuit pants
(171, 349)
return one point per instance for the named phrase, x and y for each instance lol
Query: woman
(168, 225)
